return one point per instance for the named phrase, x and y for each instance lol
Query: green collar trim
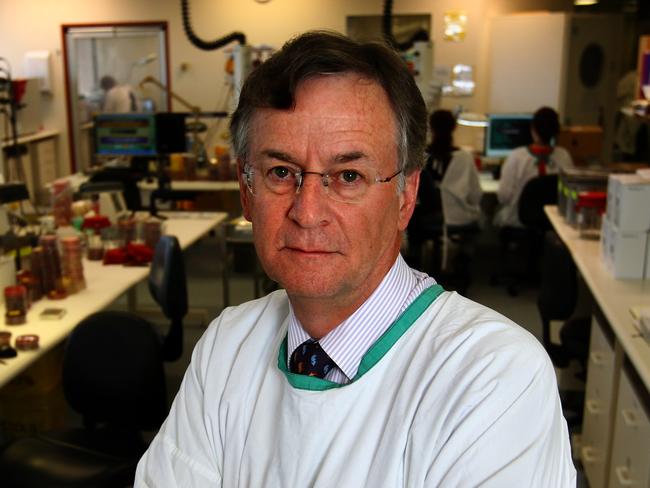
(374, 354)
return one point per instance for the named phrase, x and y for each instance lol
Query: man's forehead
(335, 101)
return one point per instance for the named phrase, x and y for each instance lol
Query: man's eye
(349, 176)
(280, 172)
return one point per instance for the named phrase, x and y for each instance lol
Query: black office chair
(426, 224)
(557, 294)
(557, 299)
(113, 377)
(168, 287)
(520, 247)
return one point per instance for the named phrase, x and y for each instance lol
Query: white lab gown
(463, 397)
(518, 169)
(460, 191)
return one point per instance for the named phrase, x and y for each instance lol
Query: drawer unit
(599, 391)
(630, 462)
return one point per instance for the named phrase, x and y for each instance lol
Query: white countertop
(193, 185)
(104, 285)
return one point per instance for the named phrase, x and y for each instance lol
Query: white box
(624, 252)
(628, 202)
(37, 65)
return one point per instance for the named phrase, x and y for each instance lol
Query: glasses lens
(279, 179)
(350, 184)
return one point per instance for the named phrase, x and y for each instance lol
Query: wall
(35, 24)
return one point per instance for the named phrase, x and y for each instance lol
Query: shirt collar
(347, 343)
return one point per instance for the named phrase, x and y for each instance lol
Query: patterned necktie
(310, 359)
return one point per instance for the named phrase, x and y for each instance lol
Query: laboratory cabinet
(599, 395)
(630, 461)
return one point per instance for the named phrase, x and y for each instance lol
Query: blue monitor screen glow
(125, 134)
(506, 132)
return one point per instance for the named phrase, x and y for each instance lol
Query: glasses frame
(249, 170)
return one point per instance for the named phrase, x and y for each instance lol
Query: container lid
(15, 291)
(592, 199)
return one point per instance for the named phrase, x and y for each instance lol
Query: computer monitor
(505, 132)
(130, 134)
(139, 134)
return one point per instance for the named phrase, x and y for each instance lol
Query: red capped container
(590, 207)
(15, 305)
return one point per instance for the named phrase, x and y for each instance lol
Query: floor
(203, 262)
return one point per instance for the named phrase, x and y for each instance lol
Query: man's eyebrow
(279, 155)
(349, 156)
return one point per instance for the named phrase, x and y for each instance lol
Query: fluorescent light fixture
(583, 3)
(469, 119)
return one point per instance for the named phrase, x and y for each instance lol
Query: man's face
(314, 246)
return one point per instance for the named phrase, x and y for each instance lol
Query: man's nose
(310, 204)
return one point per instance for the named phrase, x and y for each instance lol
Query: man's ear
(408, 198)
(244, 192)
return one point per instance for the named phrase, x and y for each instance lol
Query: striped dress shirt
(347, 343)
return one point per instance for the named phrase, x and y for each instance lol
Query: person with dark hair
(455, 171)
(449, 193)
(524, 163)
(360, 371)
(118, 98)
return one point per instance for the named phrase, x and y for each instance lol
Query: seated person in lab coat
(117, 98)
(449, 190)
(524, 163)
(360, 372)
(456, 173)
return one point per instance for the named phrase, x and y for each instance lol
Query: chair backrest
(167, 279)
(558, 292)
(113, 371)
(538, 192)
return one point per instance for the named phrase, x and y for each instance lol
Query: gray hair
(274, 83)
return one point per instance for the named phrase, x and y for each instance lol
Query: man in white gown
(360, 372)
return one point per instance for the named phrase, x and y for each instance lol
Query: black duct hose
(387, 30)
(387, 23)
(200, 43)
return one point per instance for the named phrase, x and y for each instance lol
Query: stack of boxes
(625, 236)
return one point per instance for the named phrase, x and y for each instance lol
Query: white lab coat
(120, 99)
(517, 170)
(460, 190)
(463, 397)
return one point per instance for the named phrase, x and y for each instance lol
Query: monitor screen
(130, 134)
(506, 132)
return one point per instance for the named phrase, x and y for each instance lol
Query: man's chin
(311, 288)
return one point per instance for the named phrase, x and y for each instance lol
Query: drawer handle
(592, 407)
(588, 455)
(623, 475)
(597, 358)
(629, 417)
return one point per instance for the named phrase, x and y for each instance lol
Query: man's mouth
(308, 250)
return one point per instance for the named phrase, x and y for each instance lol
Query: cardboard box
(624, 253)
(628, 202)
(584, 143)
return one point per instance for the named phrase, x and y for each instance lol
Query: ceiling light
(583, 3)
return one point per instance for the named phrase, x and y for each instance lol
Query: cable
(200, 43)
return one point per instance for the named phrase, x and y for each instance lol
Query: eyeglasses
(348, 184)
